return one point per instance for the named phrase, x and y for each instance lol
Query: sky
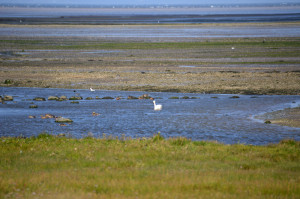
(146, 2)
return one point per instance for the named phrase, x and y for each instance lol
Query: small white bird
(232, 48)
(92, 89)
(157, 107)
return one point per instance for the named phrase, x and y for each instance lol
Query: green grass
(59, 167)
(86, 45)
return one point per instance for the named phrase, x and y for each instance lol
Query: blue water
(144, 32)
(223, 118)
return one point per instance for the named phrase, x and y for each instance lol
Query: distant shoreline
(131, 19)
(154, 10)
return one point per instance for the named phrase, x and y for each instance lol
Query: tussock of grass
(58, 167)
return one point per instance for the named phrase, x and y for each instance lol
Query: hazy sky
(169, 2)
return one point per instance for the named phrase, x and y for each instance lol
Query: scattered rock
(8, 98)
(131, 97)
(107, 97)
(33, 106)
(145, 96)
(53, 98)
(75, 98)
(215, 97)
(63, 120)
(63, 98)
(95, 114)
(39, 99)
(118, 98)
(31, 117)
(185, 97)
(89, 98)
(49, 116)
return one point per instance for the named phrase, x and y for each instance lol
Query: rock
(49, 115)
(74, 102)
(145, 96)
(185, 97)
(75, 98)
(53, 98)
(63, 98)
(107, 97)
(31, 117)
(95, 114)
(174, 98)
(267, 122)
(89, 98)
(63, 120)
(235, 97)
(8, 98)
(33, 106)
(131, 97)
(39, 99)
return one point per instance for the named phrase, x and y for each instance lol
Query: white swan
(92, 89)
(157, 107)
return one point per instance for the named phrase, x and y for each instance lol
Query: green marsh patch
(48, 166)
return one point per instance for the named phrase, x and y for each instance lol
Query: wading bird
(92, 89)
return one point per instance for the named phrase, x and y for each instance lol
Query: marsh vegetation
(58, 167)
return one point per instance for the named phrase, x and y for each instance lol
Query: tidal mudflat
(219, 65)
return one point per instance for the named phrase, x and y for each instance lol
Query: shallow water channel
(205, 117)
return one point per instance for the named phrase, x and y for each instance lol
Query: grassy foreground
(59, 167)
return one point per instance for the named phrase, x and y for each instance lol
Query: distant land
(56, 5)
